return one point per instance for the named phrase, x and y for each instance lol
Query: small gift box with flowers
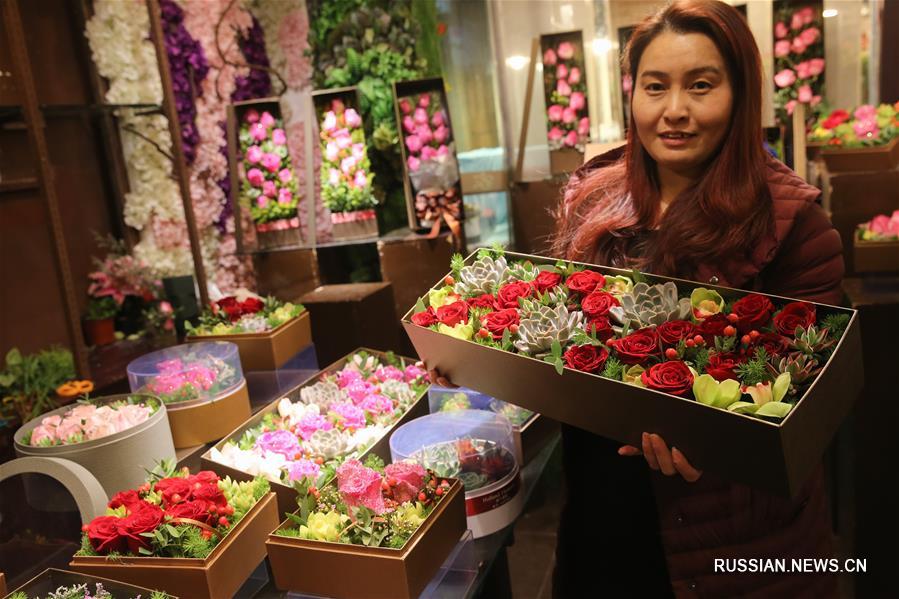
(349, 409)
(863, 140)
(565, 93)
(876, 244)
(53, 583)
(693, 363)
(193, 535)
(400, 521)
(267, 331)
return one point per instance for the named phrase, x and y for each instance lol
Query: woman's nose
(675, 107)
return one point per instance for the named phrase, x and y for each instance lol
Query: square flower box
(773, 456)
(353, 571)
(51, 579)
(219, 575)
(270, 350)
(877, 158)
(875, 256)
(287, 495)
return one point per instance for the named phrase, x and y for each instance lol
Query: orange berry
(439, 491)
(754, 335)
(746, 340)
(513, 329)
(671, 353)
(422, 497)
(733, 318)
(730, 331)
(449, 280)
(690, 343)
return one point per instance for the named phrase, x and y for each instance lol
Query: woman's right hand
(439, 379)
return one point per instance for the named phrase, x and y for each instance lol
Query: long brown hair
(729, 207)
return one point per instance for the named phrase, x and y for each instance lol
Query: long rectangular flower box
(271, 350)
(354, 571)
(875, 256)
(51, 579)
(217, 576)
(286, 494)
(774, 450)
(875, 158)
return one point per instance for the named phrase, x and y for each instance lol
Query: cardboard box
(196, 423)
(270, 350)
(879, 158)
(52, 578)
(354, 571)
(875, 256)
(776, 458)
(218, 576)
(287, 496)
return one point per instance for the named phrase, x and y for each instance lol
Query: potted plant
(99, 322)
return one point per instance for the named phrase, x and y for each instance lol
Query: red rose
(452, 314)
(485, 301)
(124, 498)
(671, 377)
(231, 307)
(754, 311)
(837, 117)
(587, 358)
(712, 327)
(194, 510)
(721, 366)
(774, 344)
(545, 280)
(211, 494)
(205, 477)
(794, 314)
(598, 303)
(497, 322)
(174, 490)
(425, 319)
(585, 281)
(103, 534)
(601, 327)
(508, 294)
(251, 305)
(637, 347)
(671, 332)
(145, 519)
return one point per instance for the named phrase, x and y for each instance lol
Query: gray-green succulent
(485, 275)
(540, 327)
(650, 305)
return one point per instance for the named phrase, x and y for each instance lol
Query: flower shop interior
(280, 278)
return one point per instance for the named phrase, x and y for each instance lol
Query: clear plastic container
(517, 416)
(445, 399)
(475, 446)
(194, 372)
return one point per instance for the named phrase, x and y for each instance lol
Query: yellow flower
(411, 514)
(631, 375)
(441, 297)
(460, 331)
(324, 526)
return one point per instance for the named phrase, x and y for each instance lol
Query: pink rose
(554, 113)
(571, 139)
(428, 153)
(574, 76)
(330, 121)
(865, 112)
(359, 485)
(810, 36)
(805, 94)
(424, 134)
(815, 100)
(555, 134)
(866, 128)
(781, 48)
(442, 151)
(360, 180)
(285, 175)
(331, 151)
(785, 78)
(798, 46)
(271, 162)
(251, 116)
(254, 154)
(267, 120)
(408, 124)
(258, 132)
(566, 50)
(347, 164)
(440, 134)
(405, 107)
(268, 188)
(561, 71)
(438, 119)
(569, 115)
(577, 101)
(413, 163)
(413, 143)
(278, 137)
(549, 57)
(790, 106)
(424, 101)
(563, 88)
(807, 15)
(583, 127)
(334, 177)
(420, 116)
(781, 30)
(815, 66)
(796, 21)
(880, 224)
(352, 118)
(255, 177)
(284, 196)
(343, 139)
(802, 70)
(359, 152)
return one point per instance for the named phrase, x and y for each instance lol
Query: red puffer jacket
(712, 519)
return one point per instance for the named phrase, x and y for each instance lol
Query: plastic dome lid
(444, 427)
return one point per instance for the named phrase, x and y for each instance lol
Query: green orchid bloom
(618, 285)
(441, 297)
(705, 303)
(766, 399)
(631, 375)
(324, 526)
(461, 331)
(709, 391)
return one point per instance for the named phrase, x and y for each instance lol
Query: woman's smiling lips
(676, 139)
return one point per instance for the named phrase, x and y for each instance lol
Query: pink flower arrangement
(346, 171)
(279, 441)
(868, 125)
(568, 122)
(880, 228)
(360, 486)
(87, 422)
(425, 130)
(798, 60)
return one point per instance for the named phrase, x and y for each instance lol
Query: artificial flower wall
(799, 59)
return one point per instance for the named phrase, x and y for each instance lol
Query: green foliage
(613, 369)
(457, 263)
(755, 370)
(555, 356)
(374, 462)
(101, 308)
(836, 324)
(18, 595)
(701, 360)
(28, 382)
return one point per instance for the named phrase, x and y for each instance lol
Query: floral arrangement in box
(191, 378)
(867, 126)
(371, 504)
(431, 159)
(565, 85)
(346, 176)
(750, 356)
(799, 59)
(880, 228)
(174, 514)
(244, 312)
(340, 415)
(269, 186)
(83, 591)
(87, 421)
(475, 462)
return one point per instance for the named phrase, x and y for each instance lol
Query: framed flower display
(432, 181)
(565, 92)
(346, 174)
(798, 57)
(263, 180)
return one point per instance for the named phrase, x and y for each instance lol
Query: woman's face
(682, 101)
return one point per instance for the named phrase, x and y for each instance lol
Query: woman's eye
(654, 87)
(702, 86)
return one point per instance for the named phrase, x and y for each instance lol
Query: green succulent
(541, 327)
(650, 305)
(485, 275)
(812, 340)
(801, 368)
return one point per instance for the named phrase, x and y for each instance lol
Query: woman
(693, 194)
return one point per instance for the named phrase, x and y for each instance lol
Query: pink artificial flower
(262, 201)
(343, 139)
(583, 127)
(255, 177)
(352, 118)
(303, 468)
(279, 441)
(360, 486)
(377, 404)
(331, 151)
(278, 137)
(574, 76)
(803, 70)
(781, 30)
(428, 153)
(267, 120)
(424, 134)
(798, 46)
(561, 71)
(810, 36)
(408, 124)
(570, 139)
(627, 84)
(566, 50)
(569, 115)
(549, 57)
(258, 132)
(409, 478)
(334, 177)
(413, 163)
(420, 116)
(554, 134)
(815, 100)
(330, 121)
(165, 307)
(269, 189)
(414, 372)
(865, 112)
(815, 66)
(337, 105)
(440, 134)
(347, 377)
(563, 88)
(866, 128)
(785, 78)
(405, 107)
(271, 162)
(796, 21)
(358, 152)
(347, 165)
(804, 94)
(254, 154)
(360, 180)
(442, 150)
(555, 113)
(807, 14)
(880, 224)
(311, 424)
(284, 196)
(351, 415)
(438, 119)
(781, 48)
(577, 101)
(251, 116)
(790, 106)
(284, 175)
(413, 143)
(424, 101)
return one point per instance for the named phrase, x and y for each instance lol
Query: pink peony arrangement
(799, 59)
(86, 422)
(866, 126)
(346, 175)
(567, 115)
(880, 228)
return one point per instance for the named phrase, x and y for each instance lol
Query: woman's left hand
(658, 456)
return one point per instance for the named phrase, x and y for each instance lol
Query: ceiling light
(601, 45)
(830, 12)
(517, 62)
